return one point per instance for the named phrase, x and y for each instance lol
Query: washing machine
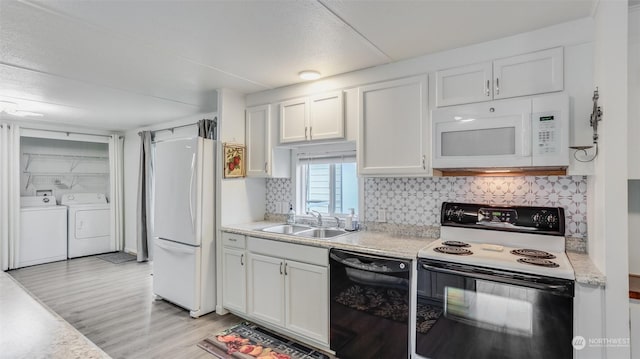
(89, 224)
(43, 231)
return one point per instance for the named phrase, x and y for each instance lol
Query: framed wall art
(234, 160)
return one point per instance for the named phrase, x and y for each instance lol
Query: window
(327, 185)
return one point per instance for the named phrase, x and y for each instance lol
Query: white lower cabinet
(306, 300)
(234, 272)
(588, 318)
(266, 288)
(234, 279)
(634, 315)
(288, 286)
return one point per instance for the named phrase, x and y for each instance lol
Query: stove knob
(536, 219)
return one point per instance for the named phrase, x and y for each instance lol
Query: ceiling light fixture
(309, 75)
(11, 108)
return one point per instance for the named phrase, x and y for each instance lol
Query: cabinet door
(266, 288)
(465, 84)
(258, 126)
(307, 300)
(393, 137)
(234, 282)
(293, 120)
(528, 74)
(326, 116)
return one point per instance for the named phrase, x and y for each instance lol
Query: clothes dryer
(89, 224)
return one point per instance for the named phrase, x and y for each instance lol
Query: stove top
(500, 256)
(521, 239)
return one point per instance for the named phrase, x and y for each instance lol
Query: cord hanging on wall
(596, 116)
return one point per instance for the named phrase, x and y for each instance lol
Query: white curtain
(116, 168)
(9, 194)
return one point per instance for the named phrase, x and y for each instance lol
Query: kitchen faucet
(318, 217)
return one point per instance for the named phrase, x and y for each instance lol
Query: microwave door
(482, 140)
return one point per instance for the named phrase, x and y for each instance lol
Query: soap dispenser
(351, 222)
(291, 215)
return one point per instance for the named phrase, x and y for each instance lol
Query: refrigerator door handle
(193, 171)
(173, 249)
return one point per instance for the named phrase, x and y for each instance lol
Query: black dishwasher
(369, 306)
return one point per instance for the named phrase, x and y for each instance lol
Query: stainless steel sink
(286, 228)
(322, 233)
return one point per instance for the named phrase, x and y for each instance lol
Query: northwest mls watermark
(579, 342)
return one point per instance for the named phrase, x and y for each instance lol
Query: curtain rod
(215, 119)
(174, 127)
(67, 132)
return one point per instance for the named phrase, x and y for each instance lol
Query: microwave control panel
(546, 133)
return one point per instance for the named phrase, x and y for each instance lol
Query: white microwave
(515, 133)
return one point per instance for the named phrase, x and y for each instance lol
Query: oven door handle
(560, 289)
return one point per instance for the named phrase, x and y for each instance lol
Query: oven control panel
(547, 220)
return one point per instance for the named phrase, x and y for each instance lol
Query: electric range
(497, 284)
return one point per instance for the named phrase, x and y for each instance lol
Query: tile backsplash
(417, 201)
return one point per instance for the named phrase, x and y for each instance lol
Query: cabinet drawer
(233, 240)
(298, 252)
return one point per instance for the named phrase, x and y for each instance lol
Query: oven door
(471, 312)
(494, 134)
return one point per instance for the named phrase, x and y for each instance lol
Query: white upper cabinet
(326, 116)
(319, 117)
(294, 115)
(529, 74)
(466, 84)
(263, 159)
(393, 137)
(258, 123)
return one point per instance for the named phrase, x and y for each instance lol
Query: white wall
(608, 239)
(634, 91)
(242, 199)
(634, 143)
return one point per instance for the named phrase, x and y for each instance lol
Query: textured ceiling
(123, 64)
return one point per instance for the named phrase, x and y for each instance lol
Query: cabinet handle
(266, 165)
(305, 132)
(285, 268)
(310, 131)
(232, 239)
(486, 90)
(497, 85)
(280, 268)
(242, 259)
(424, 162)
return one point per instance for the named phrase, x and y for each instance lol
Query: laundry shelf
(74, 160)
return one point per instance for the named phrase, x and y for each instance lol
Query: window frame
(298, 178)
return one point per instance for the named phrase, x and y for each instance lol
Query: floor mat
(247, 340)
(117, 257)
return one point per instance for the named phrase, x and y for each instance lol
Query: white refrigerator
(184, 223)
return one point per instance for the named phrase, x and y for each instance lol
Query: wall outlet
(382, 215)
(278, 207)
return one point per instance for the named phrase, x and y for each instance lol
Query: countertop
(29, 329)
(634, 286)
(586, 272)
(379, 243)
(406, 247)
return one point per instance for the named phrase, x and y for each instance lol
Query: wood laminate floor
(112, 305)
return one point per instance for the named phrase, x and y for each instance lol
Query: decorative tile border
(417, 201)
